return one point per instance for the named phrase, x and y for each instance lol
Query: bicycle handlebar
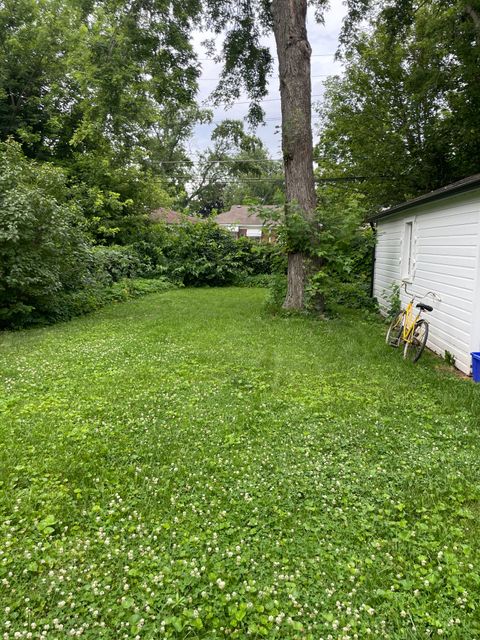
(414, 296)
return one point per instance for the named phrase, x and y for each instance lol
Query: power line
(322, 75)
(271, 119)
(314, 55)
(317, 95)
(190, 162)
(339, 180)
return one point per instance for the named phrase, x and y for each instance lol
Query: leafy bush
(395, 303)
(48, 270)
(96, 296)
(345, 250)
(258, 258)
(263, 280)
(277, 292)
(115, 263)
(204, 254)
(43, 250)
(340, 249)
(149, 252)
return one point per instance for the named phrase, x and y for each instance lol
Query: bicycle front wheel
(395, 330)
(414, 349)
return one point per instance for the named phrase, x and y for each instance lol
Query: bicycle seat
(424, 307)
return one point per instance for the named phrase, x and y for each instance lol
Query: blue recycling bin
(476, 366)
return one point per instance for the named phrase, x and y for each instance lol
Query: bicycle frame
(409, 321)
(409, 317)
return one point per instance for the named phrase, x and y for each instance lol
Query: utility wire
(221, 161)
(340, 180)
(314, 55)
(258, 101)
(322, 75)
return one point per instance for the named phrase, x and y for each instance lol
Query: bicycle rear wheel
(414, 349)
(395, 330)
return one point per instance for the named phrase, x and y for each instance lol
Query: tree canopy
(235, 169)
(405, 115)
(107, 90)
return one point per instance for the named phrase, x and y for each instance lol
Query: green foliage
(115, 199)
(246, 476)
(108, 94)
(263, 280)
(339, 245)
(344, 253)
(259, 258)
(116, 263)
(449, 358)
(395, 304)
(296, 233)
(43, 251)
(277, 291)
(404, 116)
(237, 169)
(48, 270)
(77, 303)
(204, 254)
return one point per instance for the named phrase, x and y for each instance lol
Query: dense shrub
(277, 290)
(201, 254)
(204, 254)
(150, 255)
(88, 299)
(43, 250)
(341, 252)
(263, 280)
(259, 258)
(48, 269)
(114, 263)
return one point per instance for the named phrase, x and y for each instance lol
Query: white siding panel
(434, 260)
(387, 260)
(446, 253)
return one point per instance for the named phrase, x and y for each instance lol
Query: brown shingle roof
(171, 217)
(243, 214)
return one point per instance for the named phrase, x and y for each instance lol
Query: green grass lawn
(186, 466)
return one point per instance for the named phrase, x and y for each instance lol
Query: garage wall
(445, 259)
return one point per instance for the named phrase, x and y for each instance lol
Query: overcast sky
(323, 40)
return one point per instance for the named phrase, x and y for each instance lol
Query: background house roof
(466, 184)
(169, 216)
(243, 214)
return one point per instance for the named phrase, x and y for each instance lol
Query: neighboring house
(432, 243)
(172, 217)
(242, 220)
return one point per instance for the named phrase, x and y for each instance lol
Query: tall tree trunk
(293, 50)
(475, 16)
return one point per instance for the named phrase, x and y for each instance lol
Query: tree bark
(475, 16)
(293, 50)
(295, 281)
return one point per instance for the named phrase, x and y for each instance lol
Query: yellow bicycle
(408, 327)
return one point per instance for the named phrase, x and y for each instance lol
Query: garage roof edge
(466, 184)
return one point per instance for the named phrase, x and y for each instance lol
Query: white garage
(432, 243)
